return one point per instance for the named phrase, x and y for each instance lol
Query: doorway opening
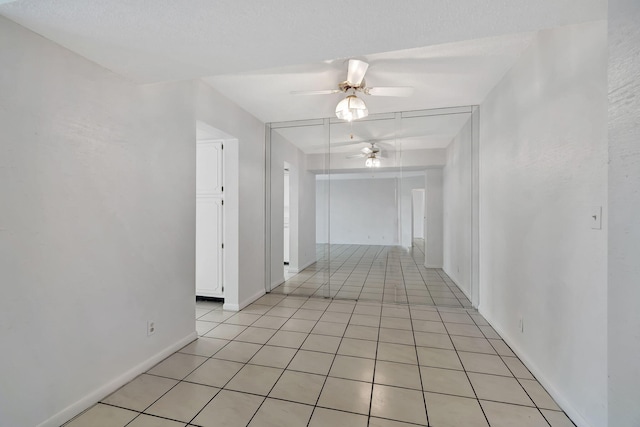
(417, 217)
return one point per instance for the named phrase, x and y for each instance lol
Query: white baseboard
(243, 304)
(464, 291)
(94, 397)
(575, 416)
(298, 269)
(433, 266)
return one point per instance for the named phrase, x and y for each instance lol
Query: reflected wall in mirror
(378, 209)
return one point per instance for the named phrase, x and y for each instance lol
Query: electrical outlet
(521, 324)
(596, 217)
(151, 327)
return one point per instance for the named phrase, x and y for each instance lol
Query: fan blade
(389, 91)
(333, 145)
(356, 72)
(315, 92)
(367, 150)
(356, 156)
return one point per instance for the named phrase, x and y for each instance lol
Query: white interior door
(209, 219)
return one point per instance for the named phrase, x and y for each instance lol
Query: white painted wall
(456, 199)
(417, 215)
(97, 228)
(433, 224)
(244, 195)
(624, 205)
(322, 210)
(407, 185)
(543, 165)
(363, 211)
(306, 243)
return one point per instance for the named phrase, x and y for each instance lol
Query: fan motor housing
(345, 86)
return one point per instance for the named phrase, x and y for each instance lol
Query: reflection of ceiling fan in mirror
(372, 154)
(352, 107)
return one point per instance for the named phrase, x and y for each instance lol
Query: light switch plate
(596, 217)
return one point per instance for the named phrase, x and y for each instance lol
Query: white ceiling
(161, 40)
(416, 133)
(451, 52)
(445, 75)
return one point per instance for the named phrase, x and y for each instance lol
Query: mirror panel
(379, 209)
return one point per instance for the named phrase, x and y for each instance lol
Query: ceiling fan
(352, 107)
(372, 154)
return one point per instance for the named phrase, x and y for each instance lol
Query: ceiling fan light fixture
(351, 108)
(372, 162)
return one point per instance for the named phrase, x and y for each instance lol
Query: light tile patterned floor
(297, 361)
(389, 274)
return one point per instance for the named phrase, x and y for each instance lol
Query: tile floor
(297, 361)
(389, 274)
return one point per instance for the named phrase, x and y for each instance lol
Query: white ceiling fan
(372, 154)
(352, 107)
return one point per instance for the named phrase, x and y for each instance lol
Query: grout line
(330, 366)
(415, 346)
(288, 363)
(467, 376)
(352, 311)
(247, 363)
(375, 360)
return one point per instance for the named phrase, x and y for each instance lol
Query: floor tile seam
(204, 314)
(531, 398)
(512, 371)
(248, 362)
(330, 367)
(469, 379)
(207, 404)
(190, 372)
(517, 404)
(135, 410)
(425, 281)
(424, 399)
(375, 362)
(288, 400)
(156, 416)
(283, 370)
(486, 373)
(348, 277)
(138, 413)
(361, 414)
(224, 387)
(462, 323)
(472, 372)
(549, 422)
(174, 386)
(245, 364)
(373, 382)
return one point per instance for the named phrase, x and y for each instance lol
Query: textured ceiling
(161, 40)
(445, 75)
(452, 52)
(415, 133)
